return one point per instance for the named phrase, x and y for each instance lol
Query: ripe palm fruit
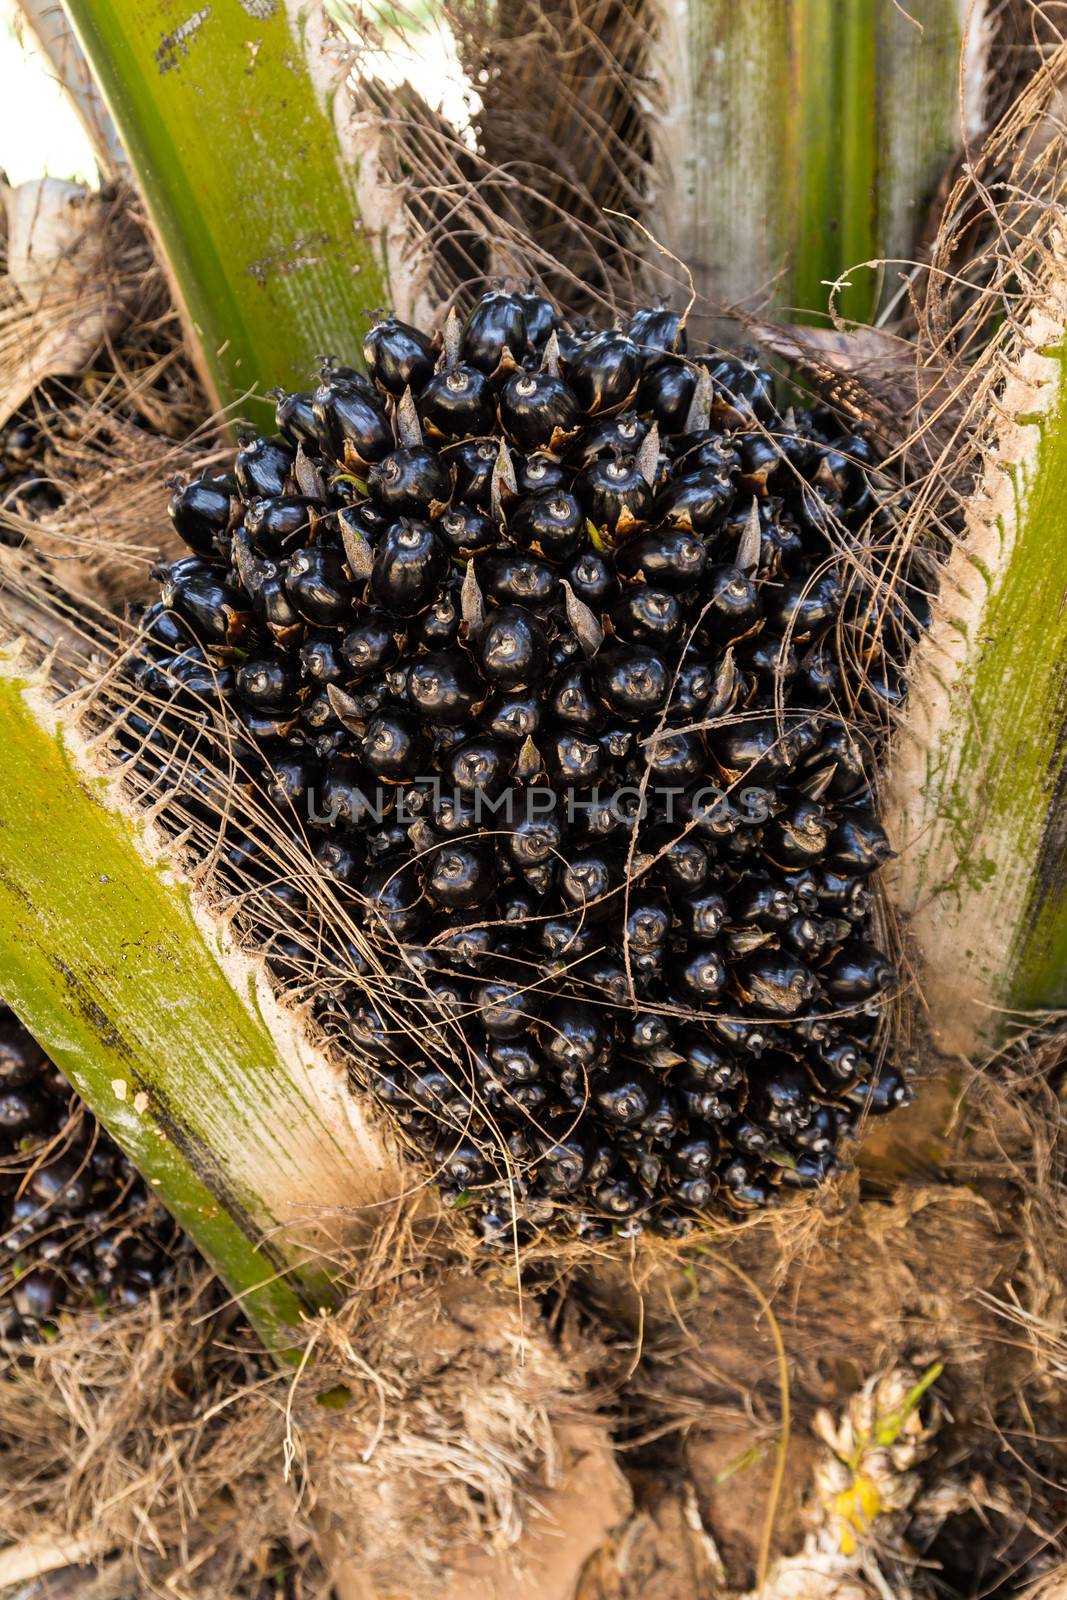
(556, 689)
(77, 1225)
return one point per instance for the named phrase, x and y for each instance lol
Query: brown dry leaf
(871, 374)
(57, 264)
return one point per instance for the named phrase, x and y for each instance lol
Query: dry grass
(160, 1431)
(110, 436)
(423, 1410)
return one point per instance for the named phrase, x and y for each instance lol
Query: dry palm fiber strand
(160, 1442)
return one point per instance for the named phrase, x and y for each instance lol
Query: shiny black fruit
(603, 372)
(631, 680)
(398, 356)
(408, 482)
(497, 324)
(460, 875)
(262, 469)
(408, 565)
(512, 648)
(458, 403)
(200, 512)
(535, 408)
(317, 584)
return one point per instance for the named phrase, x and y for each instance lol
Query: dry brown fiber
(198, 1471)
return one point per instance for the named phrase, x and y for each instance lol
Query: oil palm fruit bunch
(78, 1228)
(539, 634)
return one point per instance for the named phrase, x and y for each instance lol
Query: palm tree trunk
(800, 139)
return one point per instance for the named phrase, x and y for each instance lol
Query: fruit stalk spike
(503, 478)
(346, 710)
(751, 542)
(472, 602)
(408, 427)
(528, 764)
(587, 629)
(699, 414)
(450, 341)
(308, 477)
(647, 458)
(358, 553)
(725, 686)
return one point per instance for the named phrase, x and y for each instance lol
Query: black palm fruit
(603, 372)
(512, 648)
(537, 410)
(216, 610)
(695, 502)
(549, 522)
(442, 687)
(398, 356)
(619, 435)
(666, 392)
(667, 557)
(496, 325)
(457, 403)
(657, 328)
(409, 482)
(262, 468)
(78, 1228)
(649, 616)
(512, 576)
(295, 416)
(632, 680)
(539, 471)
(317, 584)
(200, 512)
(280, 524)
(593, 578)
(351, 422)
(615, 494)
(556, 687)
(466, 531)
(408, 566)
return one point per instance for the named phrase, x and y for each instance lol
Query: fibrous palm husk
(421, 1437)
(94, 366)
